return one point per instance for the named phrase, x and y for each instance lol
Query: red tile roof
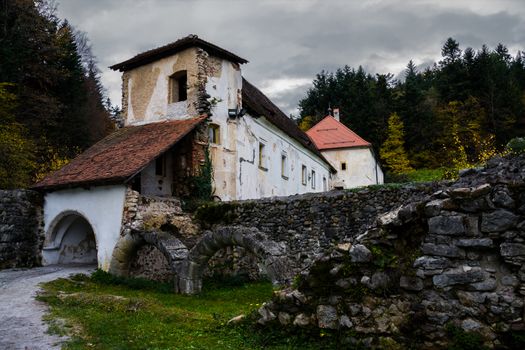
(120, 155)
(174, 47)
(330, 134)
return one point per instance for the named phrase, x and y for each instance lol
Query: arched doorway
(70, 240)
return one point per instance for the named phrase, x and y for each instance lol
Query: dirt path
(21, 325)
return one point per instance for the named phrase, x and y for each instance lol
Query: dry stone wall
(449, 264)
(21, 233)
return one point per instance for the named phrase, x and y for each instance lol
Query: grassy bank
(101, 312)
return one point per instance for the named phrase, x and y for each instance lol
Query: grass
(419, 175)
(103, 312)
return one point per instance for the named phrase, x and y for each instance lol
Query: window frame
(175, 81)
(313, 178)
(263, 158)
(284, 166)
(304, 175)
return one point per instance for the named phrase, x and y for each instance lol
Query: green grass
(419, 175)
(102, 312)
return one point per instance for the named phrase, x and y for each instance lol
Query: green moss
(461, 340)
(212, 213)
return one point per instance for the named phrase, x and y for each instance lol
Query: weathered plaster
(146, 89)
(362, 168)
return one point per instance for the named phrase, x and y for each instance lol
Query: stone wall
(312, 223)
(447, 265)
(21, 233)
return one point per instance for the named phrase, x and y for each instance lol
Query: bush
(516, 145)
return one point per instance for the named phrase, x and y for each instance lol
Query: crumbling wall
(21, 232)
(309, 224)
(425, 272)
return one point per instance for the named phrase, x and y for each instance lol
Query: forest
(454, 114)
(52, 104)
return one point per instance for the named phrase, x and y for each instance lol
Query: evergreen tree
(392, 151)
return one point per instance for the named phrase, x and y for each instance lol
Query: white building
(349, 154)
(182, 103)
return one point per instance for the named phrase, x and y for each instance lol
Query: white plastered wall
(101, 206)
(237, 174)
(362, 168)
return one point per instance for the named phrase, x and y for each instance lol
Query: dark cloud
(287, 39)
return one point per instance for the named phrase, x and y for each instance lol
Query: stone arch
(70, 238)
(272, 255)
(172, 249)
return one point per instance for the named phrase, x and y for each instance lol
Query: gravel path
(21, 325)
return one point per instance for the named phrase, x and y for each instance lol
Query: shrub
(516, 145)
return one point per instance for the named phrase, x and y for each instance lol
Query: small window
(214, 134)
(313, 179)
(325, 184)
(303, 175)
(284, 166)
(343, 166)
(160, 166)
(262, 156)
(178, 87)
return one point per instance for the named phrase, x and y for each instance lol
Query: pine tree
(392, 151)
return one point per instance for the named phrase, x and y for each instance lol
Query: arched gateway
(70, 239)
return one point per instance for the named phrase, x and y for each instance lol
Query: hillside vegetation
(52, 104)
(457, 113)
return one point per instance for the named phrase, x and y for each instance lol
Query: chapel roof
(120, 155)
(330, 133)
(174, 47)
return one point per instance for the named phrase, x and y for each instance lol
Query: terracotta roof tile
(120, 155)
(174, 47)
(330, 133)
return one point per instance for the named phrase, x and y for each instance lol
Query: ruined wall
(311, 223)
(427, 274)
(21, 234)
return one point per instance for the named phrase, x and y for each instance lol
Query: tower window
(179, 87)
(214, 134)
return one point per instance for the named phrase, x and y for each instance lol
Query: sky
(287, 42)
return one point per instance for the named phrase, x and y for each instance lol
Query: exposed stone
(359, 253)
(460, 275)
(429, 262)
(266, 314)
(512, 249)
(237, 319)
(284, 318)
(442, 250)
(327, 316)
(475, 243)
(486, 285)
(411, 283)
(344, 321)
(446, 225)
(497, 221)
(301, 320)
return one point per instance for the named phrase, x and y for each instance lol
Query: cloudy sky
(288, 41)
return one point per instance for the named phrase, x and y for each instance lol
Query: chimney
(336, 114)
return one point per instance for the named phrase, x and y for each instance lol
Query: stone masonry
(455, 259)
(21, 233)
